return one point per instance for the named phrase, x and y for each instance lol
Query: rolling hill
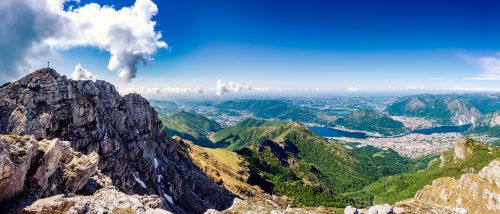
(371, 121)
(191, 126)
(443, 109)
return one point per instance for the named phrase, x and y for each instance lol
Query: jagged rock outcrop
(134, 151)
(106, 200)
(472, 193)
(31, 168)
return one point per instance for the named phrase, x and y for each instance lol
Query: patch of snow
(168, 197)
(136, 131)
(155, 163)
(158, 178)
(136, 178)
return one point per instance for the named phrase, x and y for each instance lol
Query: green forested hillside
(191, 126)
(452, 164)
(372, 121)
(295, 162)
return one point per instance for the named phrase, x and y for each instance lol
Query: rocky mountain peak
(125, 132)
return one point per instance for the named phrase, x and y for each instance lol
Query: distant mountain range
(443, 109)
(371, 121)
(270, 109)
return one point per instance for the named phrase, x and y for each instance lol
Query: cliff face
(124, 131)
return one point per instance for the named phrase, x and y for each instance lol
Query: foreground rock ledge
(106, 200)
(36, 169)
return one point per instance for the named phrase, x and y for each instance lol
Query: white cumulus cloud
(81, 73)
(223, 87)
(31, 30)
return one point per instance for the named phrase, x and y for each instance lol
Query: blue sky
(326, 45)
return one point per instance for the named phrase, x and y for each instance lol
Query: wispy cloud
(489, 65)
(81, 73)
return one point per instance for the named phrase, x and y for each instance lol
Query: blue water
(337, 111)
(332, 132)
(443, 129)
